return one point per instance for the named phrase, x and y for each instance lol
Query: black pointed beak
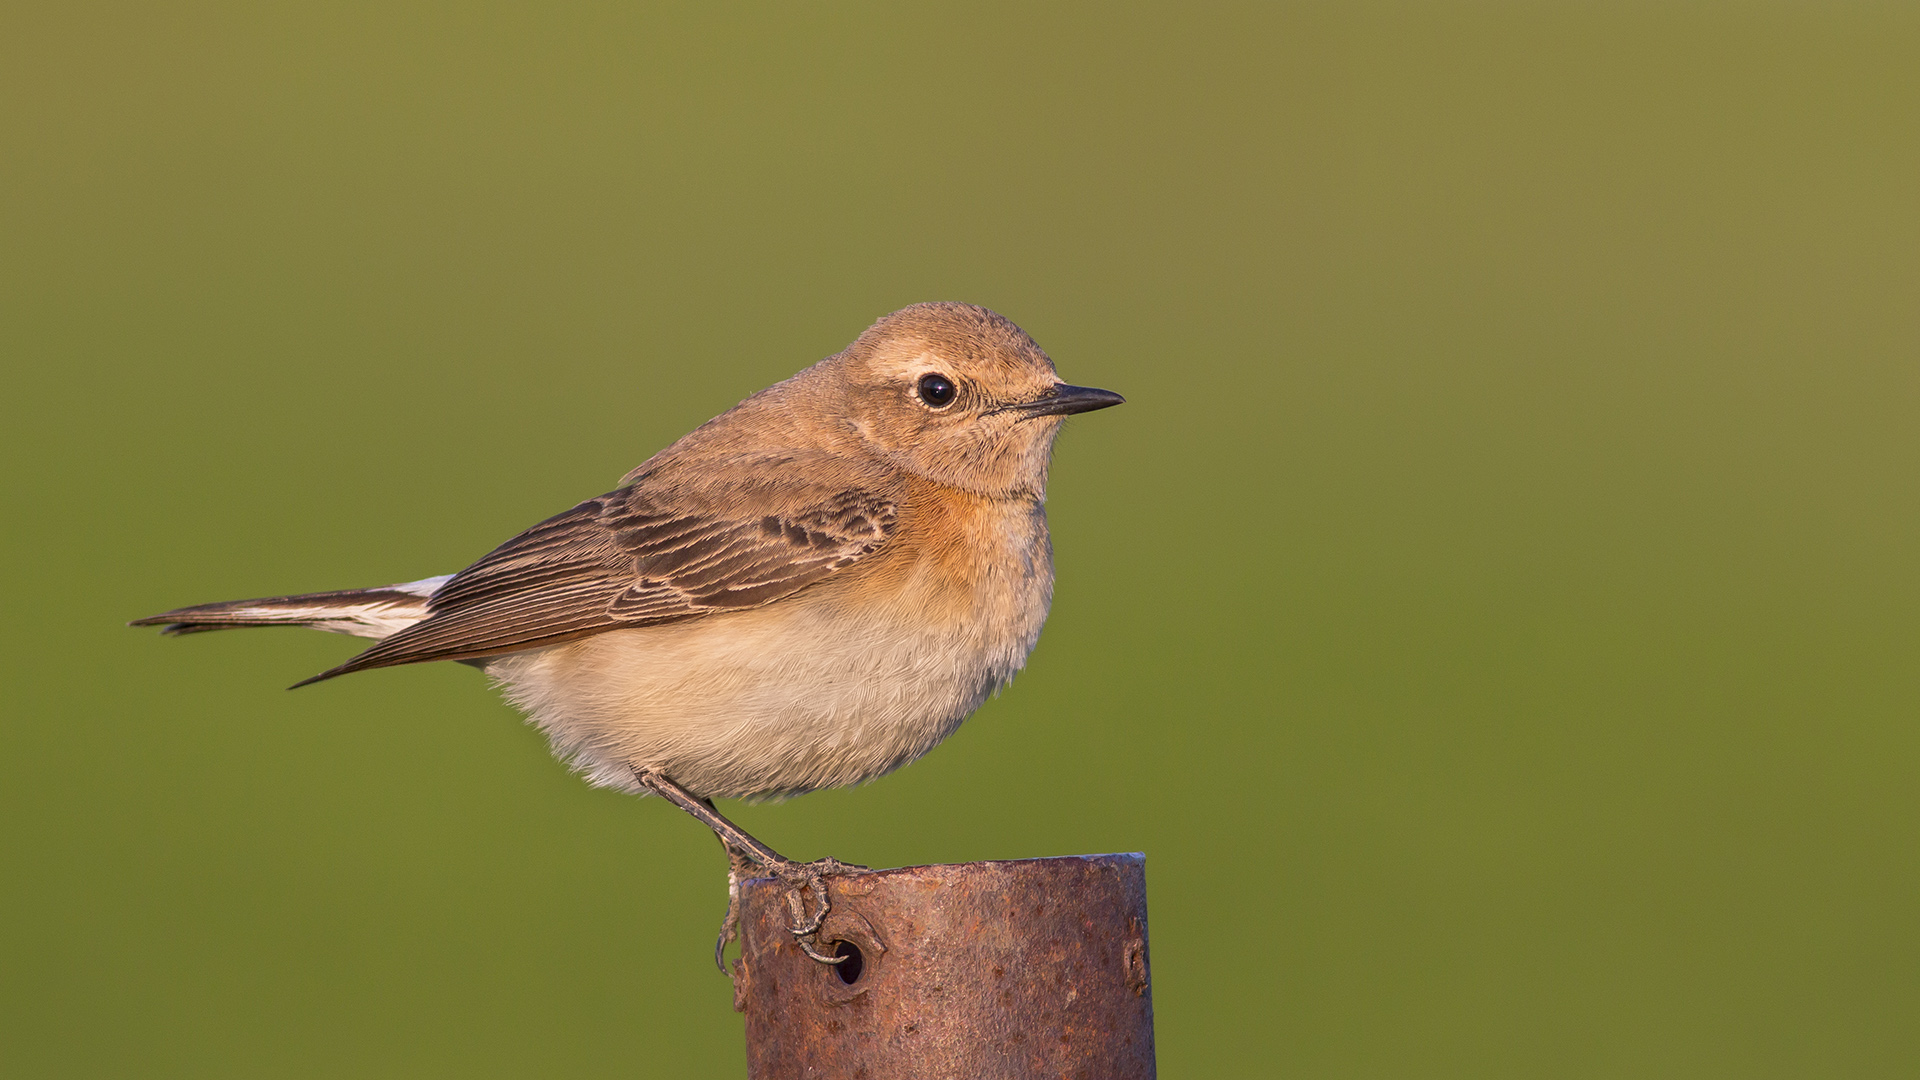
(1064, 400)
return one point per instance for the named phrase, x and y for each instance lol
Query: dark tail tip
(330, 673)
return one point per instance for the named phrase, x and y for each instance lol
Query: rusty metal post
(1027, 968)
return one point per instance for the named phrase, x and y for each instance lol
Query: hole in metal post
(849, 967)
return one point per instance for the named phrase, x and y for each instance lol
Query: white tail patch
(368, 613)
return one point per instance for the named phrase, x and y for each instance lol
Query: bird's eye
(936, 390)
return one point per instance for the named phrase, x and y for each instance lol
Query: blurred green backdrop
(1494, 614)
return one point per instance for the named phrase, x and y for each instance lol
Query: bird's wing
(639, 558)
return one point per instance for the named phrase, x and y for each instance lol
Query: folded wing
(638, 558)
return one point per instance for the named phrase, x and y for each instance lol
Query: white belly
(810, 692)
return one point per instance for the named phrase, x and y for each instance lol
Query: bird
(808, 591)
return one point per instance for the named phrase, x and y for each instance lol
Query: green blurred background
(1494, 613)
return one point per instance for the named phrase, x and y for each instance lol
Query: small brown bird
(808, 591)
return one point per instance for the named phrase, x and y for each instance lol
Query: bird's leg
(743, 853)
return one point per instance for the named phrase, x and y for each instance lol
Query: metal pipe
(1025, 968)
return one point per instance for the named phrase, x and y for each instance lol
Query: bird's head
(959, 395)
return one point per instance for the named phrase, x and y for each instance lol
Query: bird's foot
(744, 854)
(806, 881)
(730, 926)
(807, 899)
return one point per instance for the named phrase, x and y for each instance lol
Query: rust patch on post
(1025, 968)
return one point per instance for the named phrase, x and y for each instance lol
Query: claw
(741, 865)
(800, 879)
(729, 926)
(806, 946)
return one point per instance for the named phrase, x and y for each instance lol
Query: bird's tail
(367, 613)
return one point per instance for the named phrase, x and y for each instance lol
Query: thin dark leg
(730, 834)
(742, 850)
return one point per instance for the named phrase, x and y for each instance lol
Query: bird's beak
(1064, 400)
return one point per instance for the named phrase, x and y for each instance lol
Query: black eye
(936, 389)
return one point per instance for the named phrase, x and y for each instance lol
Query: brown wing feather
(628, 559)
